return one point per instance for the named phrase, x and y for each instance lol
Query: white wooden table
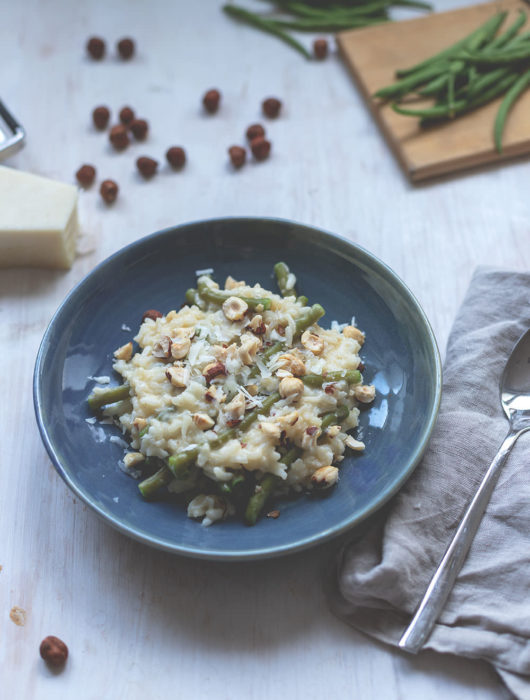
(140, 623)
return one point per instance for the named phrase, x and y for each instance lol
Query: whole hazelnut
(125, 48)
(271, 107)
(86, 175)
(100, 117)
(211, 101)
(255, 130)
(260, 148)
(109, 191)
(126, 115)
(238, 156)
(54, 651)
(139, 128)
(320, 48)
(176, 156)
(96, 47)
(153, 314)
(119, 137)
(146, 166)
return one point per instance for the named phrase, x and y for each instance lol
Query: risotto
(236, 398)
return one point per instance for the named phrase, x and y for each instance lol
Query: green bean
(307, 319)
(148, 487)
(227, 487)
(266, 487)
(193, 298)
(506, 37)
(404, 86)
(497, 58)
(282, 272)
(217, 296)
(351, 376)
(266, 26)
(447, 53)
(335, 417)
(265, 356)
(302, 300)
(509, 100)
(331, 25)
(179, 464)
(247, 421)
(107, 396)
(485, 81)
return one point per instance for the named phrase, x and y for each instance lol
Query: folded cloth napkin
(382, 575)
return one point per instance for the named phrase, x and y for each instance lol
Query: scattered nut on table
(119, 137)
(100, 117)
(147, 167)
(211, 100)
(271, 107)
(86, 175)
(96, 47)
(126, 48)
(176, 157)
(260, 148)
(54, 651)
(109, 191)
(139, 128)
(126, 115)
(255, 130)
(320, 48)
(238, 156)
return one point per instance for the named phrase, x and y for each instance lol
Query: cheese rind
(38, 221)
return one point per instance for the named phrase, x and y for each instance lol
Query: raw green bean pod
(506, 105)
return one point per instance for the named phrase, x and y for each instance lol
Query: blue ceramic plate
(400, 354)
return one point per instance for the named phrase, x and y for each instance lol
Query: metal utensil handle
(444, 577)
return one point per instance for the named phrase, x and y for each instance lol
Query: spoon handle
(444, 577)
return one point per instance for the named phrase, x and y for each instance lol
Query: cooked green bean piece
(302, 300)
(335, 417)
(217, 296)
(307, 319)
(266, 487)
(509, 100)
(266, 26)
(103, 398)
(179, 464)
(352, 376)
(247, 421)
(193, 298)
(148, 487)
(282, 272)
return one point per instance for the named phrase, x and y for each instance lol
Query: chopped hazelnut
(353, 444)
(162, 348)
(131, 459)
(333, 430)
(271, 430)
(180, 348)
(312, 342)
(291, 388)
(124, 353)
(213, 369)
(178, 376)
(364, 393)
(203, 421)
(355, 333)
(324, 477)
(231, 283)
(293, 364)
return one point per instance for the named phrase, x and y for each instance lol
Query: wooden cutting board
(373, 55)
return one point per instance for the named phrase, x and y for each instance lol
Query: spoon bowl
(515, 382)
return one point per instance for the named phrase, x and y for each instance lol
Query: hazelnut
(203, 421)
(126, 115)
(293, 363)
(260, 148)
(180, 348)
(85, 175)
(153, 314)
(125, 48)
(119, 137)
(125, 352)
(139, 128)
(53, 650)
(274, 514)
(100, 117)
(96, 47)
(178, 376)
(271, 430)
(234, 308)
(132, 459)
(257, 325)
(213, 369)
(312, 342)
(320, 48)
(255, 130)
(353, 444)
(211, 101)
(176, 156)
(271, 107)
(355, 333)
(324, 477)
(109, 191)
(364, 393)
(237, 155)
(146, 166)
(291, 388)
(162, 348)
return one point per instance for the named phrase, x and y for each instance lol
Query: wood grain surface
(140, 623)
(373, 55)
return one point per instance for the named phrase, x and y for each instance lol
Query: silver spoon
(515, 400)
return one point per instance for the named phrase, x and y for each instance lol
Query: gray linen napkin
(382, 575)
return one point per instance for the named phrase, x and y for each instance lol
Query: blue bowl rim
(259, 553)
